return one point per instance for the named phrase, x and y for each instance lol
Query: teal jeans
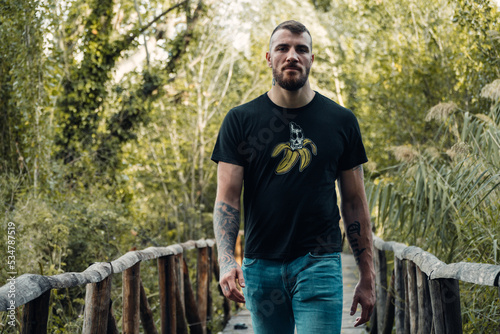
(305, 293)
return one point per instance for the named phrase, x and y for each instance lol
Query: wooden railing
(423, 295)
(180, 308)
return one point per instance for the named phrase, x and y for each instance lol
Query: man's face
(290, 56)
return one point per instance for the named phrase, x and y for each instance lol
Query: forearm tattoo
(226, 228)
(353, 233)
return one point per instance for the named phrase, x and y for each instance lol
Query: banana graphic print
(295, 150)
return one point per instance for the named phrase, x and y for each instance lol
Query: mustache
(291, 67)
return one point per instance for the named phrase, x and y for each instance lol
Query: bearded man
(288, 147)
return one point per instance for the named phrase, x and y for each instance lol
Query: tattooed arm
(227, 226)
(356, 217)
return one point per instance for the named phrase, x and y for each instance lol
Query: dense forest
(109, 111)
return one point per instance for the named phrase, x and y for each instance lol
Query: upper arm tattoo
(226, 228)
(359, 170)
(358, 167)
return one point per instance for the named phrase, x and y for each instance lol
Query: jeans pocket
(247, 262)
(335, 255)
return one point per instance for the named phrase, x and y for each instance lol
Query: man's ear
(312, 58)
(268, 58)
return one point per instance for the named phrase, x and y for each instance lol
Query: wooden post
(239, 254)
(381, 286)
(202, 283)
(112, 328)
(389, 309)
(209, 292)
(424, 301)
(131, 290)
(399, 295)
(413, 296)
(147, 320)
(182, 327)
(373, 321)
(167, 278)
(179, 269)
(192, 313)
(36, 315)
(407, 298)
(238, 249)
(97, 301)
(445, 300)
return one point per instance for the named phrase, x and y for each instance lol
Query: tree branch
(131, 35)
(159, 17)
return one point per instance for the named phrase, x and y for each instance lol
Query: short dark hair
(293, 26)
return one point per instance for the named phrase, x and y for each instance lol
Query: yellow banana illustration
(289, 160)
(293, 150)
(280, 147)
(305, 158)
(313, 146)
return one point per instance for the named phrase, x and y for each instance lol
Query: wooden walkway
(350, 278)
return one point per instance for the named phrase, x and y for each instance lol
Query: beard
(293, 83)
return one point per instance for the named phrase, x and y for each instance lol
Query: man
(288, 147)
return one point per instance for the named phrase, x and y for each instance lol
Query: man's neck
(291, 99)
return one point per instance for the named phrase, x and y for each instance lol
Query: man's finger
(359, 321)
(354, 305)
(230, 289)
(237, 296)
(365, 316)
(233, 293)
(241, 279)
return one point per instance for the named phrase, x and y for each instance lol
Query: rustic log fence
(183, 310)
(423, 295)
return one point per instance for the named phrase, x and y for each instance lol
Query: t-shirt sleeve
(354, 153)
(228, 145)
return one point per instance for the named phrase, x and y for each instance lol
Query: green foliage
(170, 163)
(395, 60)
(443, 189)
(443, 197)
(84, 86)
(122, 126)
(479, 19)
(22, 67)
(101, 152)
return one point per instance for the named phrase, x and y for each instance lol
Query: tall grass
(444, 197)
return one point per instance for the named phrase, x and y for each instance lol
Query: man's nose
(292, 55)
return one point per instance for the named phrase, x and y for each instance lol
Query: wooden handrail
(476, 273)
(31, 286)
(424, 291)
(33, 291)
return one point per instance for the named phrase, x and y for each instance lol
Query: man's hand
(227, 227)
(229, 275)
(364, 294)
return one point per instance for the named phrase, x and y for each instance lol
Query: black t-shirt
(291, 159)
